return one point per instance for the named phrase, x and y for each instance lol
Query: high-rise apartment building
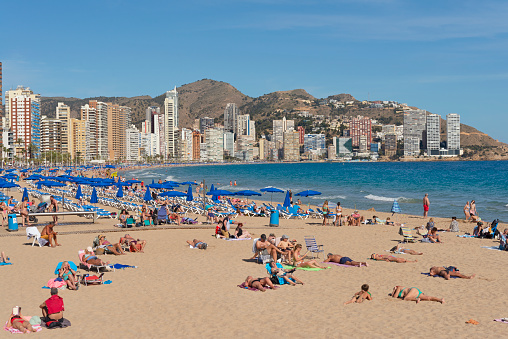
(453, 133)
(132, 144)
(89, 116)
(291, 146)
(51, 135)
(245, 147)
(196, 146)
(1, 93)
(245, 126)
(360, 127)
(279, 128)
(171, 123)
(313, 143)
(433, 134)
(23, 116)
(214, 140)
(152, 113)
(229, 144)
(205, 123)
(185, 144)
(118, 121)
(414, 127)
(77, 139)
(63, 113)
(230, 117)
(344, 146)
(301, 134)
(390, 144)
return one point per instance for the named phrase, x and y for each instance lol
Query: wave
(381, 198)
(328, 197)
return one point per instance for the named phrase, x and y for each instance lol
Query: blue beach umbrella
(395, 207)
(212, 188)
(189, 194)
(119, 194)
(307, 193)
(271, 190)
(71, 264)
(172, 194)
(25, 195)
(247, 193)
(219, 192)
(188, 183)
(49, 183)
(5, 184)
(287, 200)
(93, 198)
(79, 195)
(148, 195)
(33, 177)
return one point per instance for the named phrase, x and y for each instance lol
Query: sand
(181, 292)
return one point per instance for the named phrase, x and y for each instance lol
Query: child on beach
(359, 297)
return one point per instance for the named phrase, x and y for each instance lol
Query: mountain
(208, 97)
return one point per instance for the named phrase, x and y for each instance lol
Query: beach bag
(99, 251)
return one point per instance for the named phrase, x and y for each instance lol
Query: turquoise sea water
(365, 184)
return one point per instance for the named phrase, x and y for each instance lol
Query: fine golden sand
(181, 292)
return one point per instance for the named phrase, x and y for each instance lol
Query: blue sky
(443, 56)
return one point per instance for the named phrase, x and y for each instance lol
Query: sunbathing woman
(135, 245)
(448, 272)
(413, 294)
(240, 233)
(89, 258)
(298, 260)
(391, 258)
(22, 325)
(259, 283)
(116, 249)
(400, 249)
(68, 275)
(285, 274)
(198, 244)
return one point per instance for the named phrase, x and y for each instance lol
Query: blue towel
(46, 287)
(5, 263)
(120, 266)
(107, 282)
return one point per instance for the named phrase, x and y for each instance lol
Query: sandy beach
(181, 292)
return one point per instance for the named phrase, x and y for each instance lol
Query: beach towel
(232, 239)
(428, 274)
(244, 286)
(496, 248)
(337, 264)
(5, 263)
(303, 268)
(466, 236)
(57, 282)
(502, 320)
(120, 266)
(396, 252)
(64, 323)
(13, 330)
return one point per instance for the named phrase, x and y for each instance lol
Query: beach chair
(88, 266)
(88, 279)
(33, 232)
(263, 256)
(312, 246)
(162, 215)
(406, 233)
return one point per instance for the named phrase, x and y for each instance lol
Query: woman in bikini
(89, 258)
(400, 249)
(298, 260)
(466, 211)
(4, 209)
(24, 212)
(198, 244)
(413, 294)
(68, 275)
(135, 245)
(116, 249)
(22, 325)
(391, 258)
(326, 212)
(259, 283)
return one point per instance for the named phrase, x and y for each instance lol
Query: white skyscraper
(433, 134)
(414, 126)
(185, 144)
(453, 133)
(279, 128)
(214, 140)
(230, 117)
(229, 143)
(171, 123)
(133, 142)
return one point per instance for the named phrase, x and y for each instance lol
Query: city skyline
(433, 55)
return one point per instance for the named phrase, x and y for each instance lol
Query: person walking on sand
(426, 204)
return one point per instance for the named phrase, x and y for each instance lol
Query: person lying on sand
(448, 272)
(391, 258)
(135, 245)
(284, 274)
(359, 297)
(89, 258)
(18, 322)
(298, 260)
(344, 260)
(400, 249)
(116, 249)
(413, 294)
(259, 283)
(198, 244)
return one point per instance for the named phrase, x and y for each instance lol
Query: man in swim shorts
(448, 272)
(344, 260)
(426, 204)
(50, 235)
(198, 244)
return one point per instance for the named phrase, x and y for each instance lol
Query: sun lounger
(88, 266)
(406, 233)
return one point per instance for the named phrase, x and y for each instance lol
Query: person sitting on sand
(124, 215)
(355, 219)
(198, 244)
(116, 249)
(503, 238)
(135, 245)
(145, 215)
(53, 307)
(68, 275)
(399, 249)
(478, 230)
(413, 294)
(449, 272)
(298, 260)
(286, 247)
(50, 235)
(390, 258)
(259, 283)
(285, 274)
(89, 258)
(18, 322)
(240, 233)
(359, 297)
(430, 224)
(344, 260)
(389, 222)
(454, 226)
(175, 217)
(264, 244)
(433, 237)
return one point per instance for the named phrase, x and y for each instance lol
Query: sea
(362, 185)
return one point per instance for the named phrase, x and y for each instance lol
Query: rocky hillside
(209, 98)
